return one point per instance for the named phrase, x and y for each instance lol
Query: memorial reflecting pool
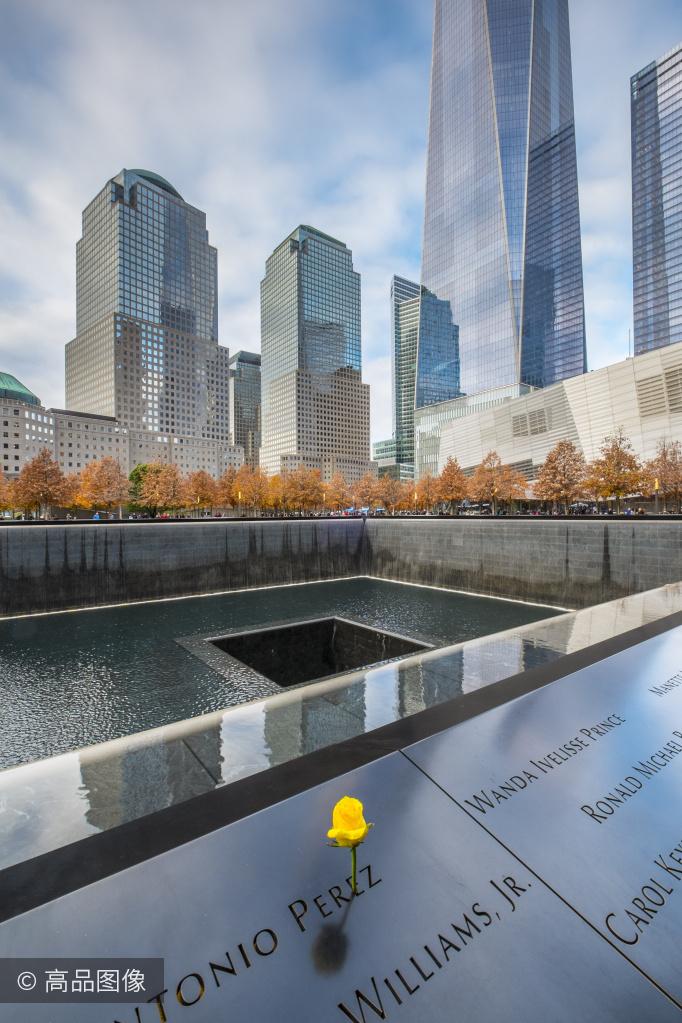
(70, 680)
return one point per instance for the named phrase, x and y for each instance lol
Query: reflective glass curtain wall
(145, 253)
(656, 112)
(313, 399)
(425, 359)
(403, 351)
(245, 404)
(404, 332)
(437, 377)
(310, 306)
(502, 226)
(146, 349)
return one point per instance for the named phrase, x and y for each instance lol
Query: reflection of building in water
(490, 659)
(124, 785)
(263, 734)
(560, 635)
(323, 725)
(244, 747)
(430, 682)
(591, 625)
(283, 731)
(307, 722)
(406, 687)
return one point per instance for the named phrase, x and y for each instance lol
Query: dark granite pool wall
(46, 568)
(570, 563)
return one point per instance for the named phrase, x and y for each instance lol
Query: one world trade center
(502, 222)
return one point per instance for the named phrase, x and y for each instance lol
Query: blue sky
(266, 115)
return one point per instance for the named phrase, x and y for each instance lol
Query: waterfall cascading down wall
(570, 563)
(52, 567)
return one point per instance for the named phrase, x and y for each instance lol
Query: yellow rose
(348, 824)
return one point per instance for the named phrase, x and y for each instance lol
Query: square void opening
(305, 651)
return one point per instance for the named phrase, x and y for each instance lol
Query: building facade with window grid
(75, 439)
(315, 407)
(656, 124)
(146, 351)
(424, 366)
(245, 391)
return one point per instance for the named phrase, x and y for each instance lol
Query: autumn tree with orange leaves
(665, 472)
(41, 485)
(225, 496)
(71, 491)
(251, 486)
(561, 479)
(275, 495)
(427, 492)
(366, 491)
(103, 485)
(314, 490)
(393, 493)
(199, 491)
(452, 483)
(494, 483)
(161, 488)
(485, 483)
(294, 488)
(336, 493)
(303, 489)
(617, 471)
(7, 499)
(512, 486)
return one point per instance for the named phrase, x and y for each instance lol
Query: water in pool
(69, 680)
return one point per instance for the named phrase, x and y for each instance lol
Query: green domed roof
(157, 180)
(13, 389)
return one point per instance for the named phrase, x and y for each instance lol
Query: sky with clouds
(268, 114)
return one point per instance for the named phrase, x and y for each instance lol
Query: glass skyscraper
(145, 253)
(502, 226)
(425, 361)
(404, 330)
(656, 109)
(245, 404)
(146, 349)
(315, 408)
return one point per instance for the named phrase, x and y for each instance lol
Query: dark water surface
(69, 680)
